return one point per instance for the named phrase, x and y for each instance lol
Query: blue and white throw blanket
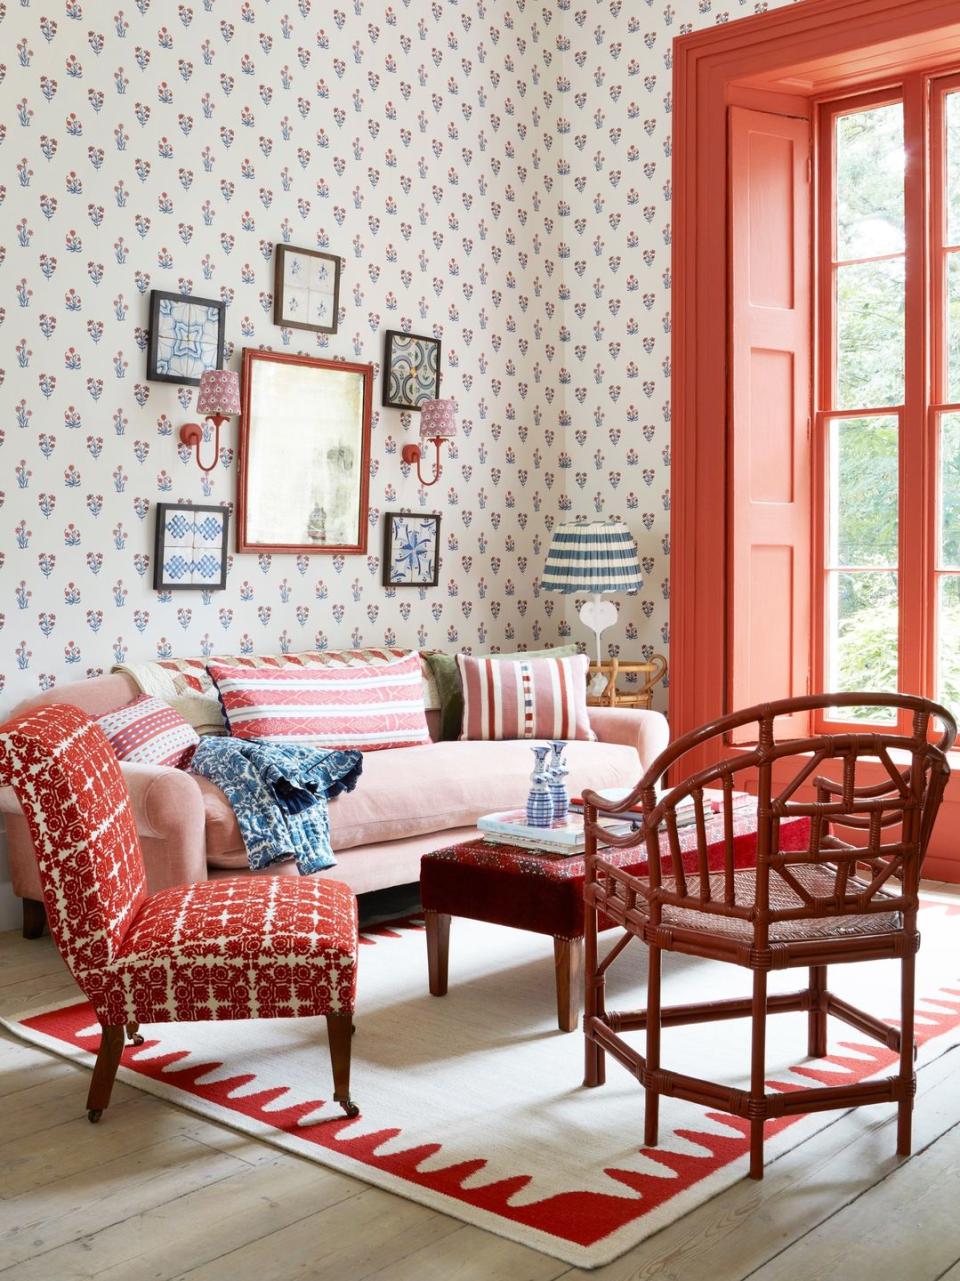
(279, 795)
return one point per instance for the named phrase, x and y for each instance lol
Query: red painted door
(769, 500)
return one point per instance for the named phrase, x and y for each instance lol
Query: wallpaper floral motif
(495, 174)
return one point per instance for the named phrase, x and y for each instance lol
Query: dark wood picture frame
(254, 357)
(388, 537)
(389, 339)
(158, 296)
(279, 293)
(160, 543)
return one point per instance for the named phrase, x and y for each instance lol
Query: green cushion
(447, 675)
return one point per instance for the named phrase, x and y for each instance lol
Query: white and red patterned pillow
(368, 707)
(149, 732)
(530, 698)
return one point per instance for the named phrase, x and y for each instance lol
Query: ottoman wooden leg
(568, 961)
(438, 950)
(339, 1033)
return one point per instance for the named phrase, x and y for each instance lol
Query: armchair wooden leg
(568, 963)
(651, 1118)
(339, 1034)
(817, 1017)
(133, 1034)
(105, 1071)
(34, 918)
(438, 950)
(758, 1057)
(907, 1077)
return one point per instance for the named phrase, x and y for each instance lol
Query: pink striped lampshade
(219, 392)
(438, 418)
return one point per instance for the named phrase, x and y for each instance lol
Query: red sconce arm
(411, 454)
(191, 435)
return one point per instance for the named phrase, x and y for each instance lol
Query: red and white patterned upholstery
(247, 947)
(149, 731)
(525, 698)
(368, 708)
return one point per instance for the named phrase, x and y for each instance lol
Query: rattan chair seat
(818, 881)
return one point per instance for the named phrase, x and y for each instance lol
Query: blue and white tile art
(191, 546)
(188, 338)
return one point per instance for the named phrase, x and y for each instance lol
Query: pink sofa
(407, 802)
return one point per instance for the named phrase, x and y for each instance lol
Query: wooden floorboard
(160, 1194)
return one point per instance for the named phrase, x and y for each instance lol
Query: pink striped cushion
(149, 732)
(369, 708)
(532, 698)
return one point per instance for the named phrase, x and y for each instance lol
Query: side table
(652, 673)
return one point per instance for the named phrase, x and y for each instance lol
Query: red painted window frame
(922, 93)
(864, 42)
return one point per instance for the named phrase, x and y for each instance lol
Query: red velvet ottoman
(507, 885)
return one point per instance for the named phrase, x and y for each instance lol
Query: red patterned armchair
(235, 948)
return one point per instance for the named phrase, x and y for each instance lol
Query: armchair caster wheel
(94, 1115)
(136, 1039)
(350, 1108)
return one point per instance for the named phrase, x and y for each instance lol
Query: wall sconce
(438, 422)
(218, 398)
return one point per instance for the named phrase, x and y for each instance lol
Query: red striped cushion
(149, 732)
(532, 698)
(369, 707)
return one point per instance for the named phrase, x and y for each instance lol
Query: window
(888, 391)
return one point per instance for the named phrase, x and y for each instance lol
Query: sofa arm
(648, 732)
(169, 814)
(171, 820)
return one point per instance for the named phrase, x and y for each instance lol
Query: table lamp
(594, 557)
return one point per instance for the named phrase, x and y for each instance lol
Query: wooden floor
(155, 1193)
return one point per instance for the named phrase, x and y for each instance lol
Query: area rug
(472, 1104)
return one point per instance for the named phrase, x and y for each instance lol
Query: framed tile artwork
(191, 547)
(186, 337)
(411, 370)
(306, 289)
(411, 549)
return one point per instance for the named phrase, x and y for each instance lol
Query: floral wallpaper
(494, 174)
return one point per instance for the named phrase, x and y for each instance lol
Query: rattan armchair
(851, 894)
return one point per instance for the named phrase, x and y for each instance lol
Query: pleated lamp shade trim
(599, 556)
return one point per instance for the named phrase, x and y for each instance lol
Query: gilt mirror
(304, 454)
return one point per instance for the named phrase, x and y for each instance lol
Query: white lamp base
(598, 614)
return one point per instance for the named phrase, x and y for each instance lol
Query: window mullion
(916, 492)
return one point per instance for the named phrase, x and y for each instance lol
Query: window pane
(863, 485)
(862, 620)
(952, 326)
(952, 193)
(950, 492)
(870, 169)
(870, 342)
(948, 634)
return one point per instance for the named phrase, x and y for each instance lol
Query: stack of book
(564, 836)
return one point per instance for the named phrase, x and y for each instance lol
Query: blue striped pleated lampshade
(594, 556)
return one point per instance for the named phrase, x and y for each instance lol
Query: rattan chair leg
(104, 1071)
(651, 1119)
(817, 1017)
(594, 1067)
(758, 1054)
(908, 970)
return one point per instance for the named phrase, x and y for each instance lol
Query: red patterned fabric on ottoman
(263, 947)
(506, 885)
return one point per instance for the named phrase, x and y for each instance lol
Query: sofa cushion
(408, 791)
(149, 731)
